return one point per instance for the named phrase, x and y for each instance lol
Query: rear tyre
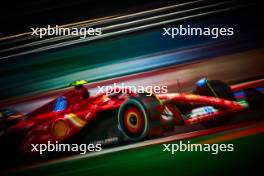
(254, 98)
(220, 89)
(216, 88)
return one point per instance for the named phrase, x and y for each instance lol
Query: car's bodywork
(136, 116)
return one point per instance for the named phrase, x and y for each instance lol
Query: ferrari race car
(117, 117)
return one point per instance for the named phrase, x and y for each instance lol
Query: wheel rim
(133, 121)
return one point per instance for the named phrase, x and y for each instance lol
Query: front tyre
(140, 117)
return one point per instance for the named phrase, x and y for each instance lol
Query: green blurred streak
(151, 160)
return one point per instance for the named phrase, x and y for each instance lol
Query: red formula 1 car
(77, 116)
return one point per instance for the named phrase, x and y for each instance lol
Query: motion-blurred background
(132, 48)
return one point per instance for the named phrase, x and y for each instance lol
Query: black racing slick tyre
(139, 118)
(254, 98)
(217, 88)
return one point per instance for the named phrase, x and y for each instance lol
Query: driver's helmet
(80, 90)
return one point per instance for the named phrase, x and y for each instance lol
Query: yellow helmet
(78, 83)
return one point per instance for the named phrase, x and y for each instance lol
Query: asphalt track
(102, 162)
